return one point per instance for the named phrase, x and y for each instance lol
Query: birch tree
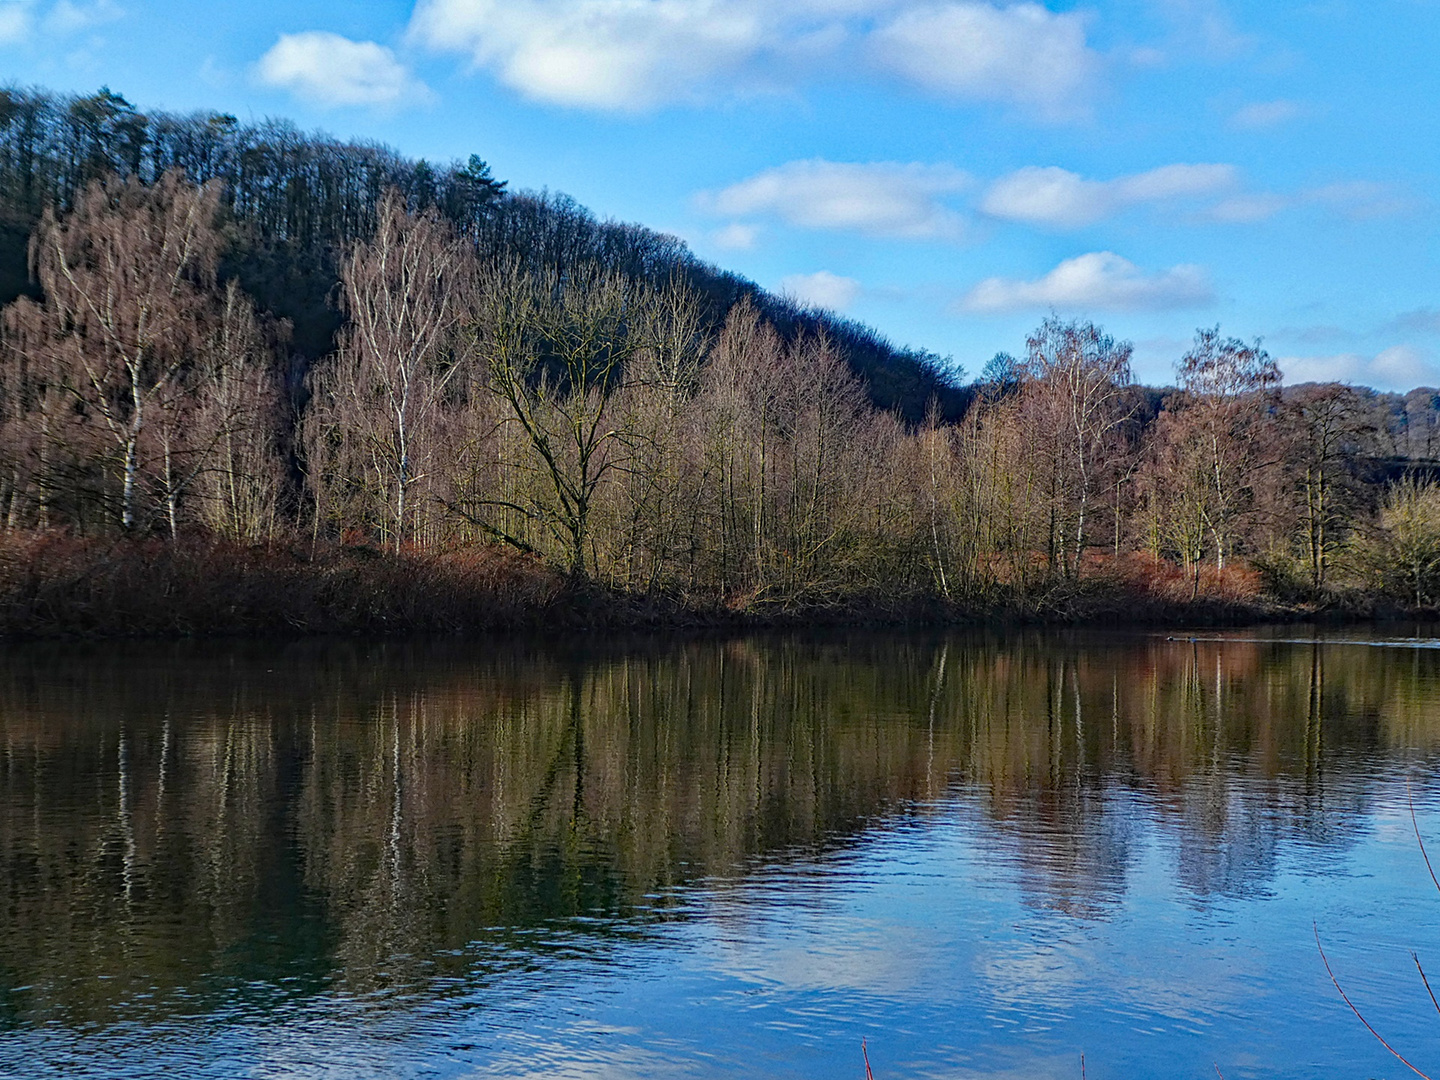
(128, 277)
(382, 396)
(1078, 375)
(1226, 398)
(239, 423)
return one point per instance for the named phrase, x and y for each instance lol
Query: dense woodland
(239, 334)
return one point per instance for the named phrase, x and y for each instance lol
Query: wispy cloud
(67, 17)
(332, 70)
(1264, 115)
(1099, 281)
(822, 289)
(1024, 54)
(1318, 334)
(737, 236)
(1358, 199)
(1353, 199)
(24, 21)
(627, 55)
(934, 201)
(1424, 320)
(1245, 208)
(17, 22)
(882, 199)
(1400, 367)
(1203, 194)
(1201, 29)
(1059, 198)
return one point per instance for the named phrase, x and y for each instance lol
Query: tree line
(606, 419)
(294, 202)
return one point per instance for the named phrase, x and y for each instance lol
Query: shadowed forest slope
(295, 201)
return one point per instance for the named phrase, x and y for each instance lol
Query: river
(983, 854)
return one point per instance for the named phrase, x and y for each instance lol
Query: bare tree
(128, 277)
(1178, 492)
(557, 357)
(381, 396)
(1078, 375)
(736, 413)
(1327, 426)
(655, 504)
(1405, 550)
(1226, 396)
(238, 423)
(33, 400)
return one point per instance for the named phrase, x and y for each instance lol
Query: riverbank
(54, 585)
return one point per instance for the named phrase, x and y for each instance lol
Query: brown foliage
(56, 584)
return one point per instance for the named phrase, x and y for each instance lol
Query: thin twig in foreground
(1426, 981)
(1401, 1057)
(1411, 798)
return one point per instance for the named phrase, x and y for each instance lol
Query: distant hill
(297, 199)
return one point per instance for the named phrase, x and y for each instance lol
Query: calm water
(718, 858)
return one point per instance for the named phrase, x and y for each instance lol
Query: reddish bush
(52, 583)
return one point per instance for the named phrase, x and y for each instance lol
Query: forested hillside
(294, 201)
(292, 354)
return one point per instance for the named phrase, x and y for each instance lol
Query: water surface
(700, 858)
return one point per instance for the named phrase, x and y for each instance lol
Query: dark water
(727, 859)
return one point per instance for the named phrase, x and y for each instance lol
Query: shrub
(1402, 554)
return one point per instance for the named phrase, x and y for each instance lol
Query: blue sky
(948, 171)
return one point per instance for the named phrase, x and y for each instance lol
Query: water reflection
(221, 831)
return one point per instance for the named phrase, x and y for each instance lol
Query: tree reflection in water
(218, 829)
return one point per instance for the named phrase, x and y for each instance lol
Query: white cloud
(601, 54)
(1402, 364)
(881, 198)
(1400, 367)
(1099, 281)
(634, 55)
(1263, 115)
(736, 236)
(332, 70)
(1062, 199)
(822, 289)
(1023, 54)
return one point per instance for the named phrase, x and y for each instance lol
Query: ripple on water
(455, 859)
